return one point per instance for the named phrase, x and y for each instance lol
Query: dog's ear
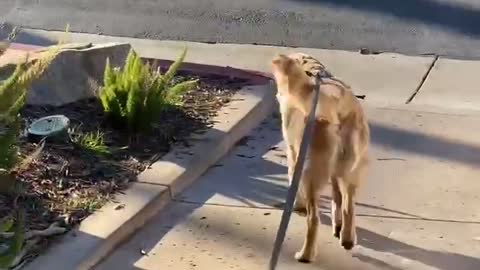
(282, 63)
(278, 59)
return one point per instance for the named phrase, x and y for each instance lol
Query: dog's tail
(354, 149)
(354, 144)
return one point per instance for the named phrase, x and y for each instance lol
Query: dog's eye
(309, 74)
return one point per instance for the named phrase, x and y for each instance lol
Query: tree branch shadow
(437, 259)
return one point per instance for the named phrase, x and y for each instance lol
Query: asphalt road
(444, 27)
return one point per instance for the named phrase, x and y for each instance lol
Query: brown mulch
(68, 183)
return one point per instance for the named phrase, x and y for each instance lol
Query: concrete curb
(179, 168)
(101, 232)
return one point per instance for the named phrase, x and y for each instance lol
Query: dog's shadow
(437, 259)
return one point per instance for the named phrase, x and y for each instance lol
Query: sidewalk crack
(422, 82)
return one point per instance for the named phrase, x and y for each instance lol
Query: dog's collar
(322, 74)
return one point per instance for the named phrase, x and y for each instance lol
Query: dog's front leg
(299, 204)
(308, 251)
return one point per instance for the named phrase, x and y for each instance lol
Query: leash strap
(297, 175)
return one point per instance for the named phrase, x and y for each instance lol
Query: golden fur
(339, 148)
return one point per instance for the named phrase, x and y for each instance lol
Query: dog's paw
(336, 231)
(303, 257)
(299, 206)
(347, 244)
(299, 209)
(302, 211)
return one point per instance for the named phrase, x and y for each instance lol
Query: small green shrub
(92, 142)
(135, 96)
(14, 243)
(88, 205)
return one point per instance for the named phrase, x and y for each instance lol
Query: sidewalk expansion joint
(422, 82)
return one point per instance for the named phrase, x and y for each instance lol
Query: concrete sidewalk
(386, 79)
(418, 210)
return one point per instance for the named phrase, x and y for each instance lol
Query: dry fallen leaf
(120, 206)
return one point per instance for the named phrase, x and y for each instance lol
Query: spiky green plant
(13, 92)
(135, 96)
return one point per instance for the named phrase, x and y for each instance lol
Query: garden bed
(71, 180)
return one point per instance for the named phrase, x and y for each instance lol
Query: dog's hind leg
(347, 233)
(348, 187)
(336, 207)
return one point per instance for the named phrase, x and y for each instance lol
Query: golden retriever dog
(338, 152)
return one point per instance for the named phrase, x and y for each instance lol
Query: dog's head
(281, 68)
(287, 73)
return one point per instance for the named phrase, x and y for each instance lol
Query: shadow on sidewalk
(426, 145)
(271, 190)
(437, 259)
(181, 213)
(451, 16)
(325, 207)
(23, 37)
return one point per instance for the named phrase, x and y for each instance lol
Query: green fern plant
(13, 92)
(135, 96)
